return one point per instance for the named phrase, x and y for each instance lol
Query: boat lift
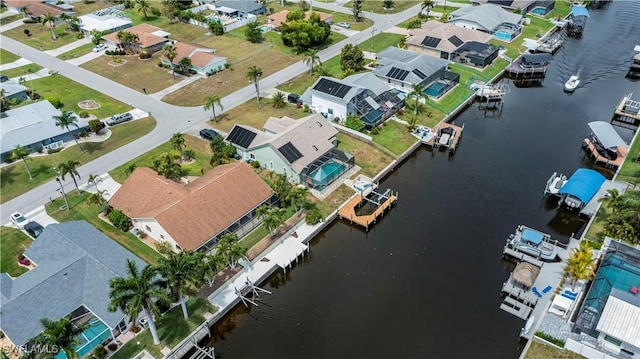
(249, 287)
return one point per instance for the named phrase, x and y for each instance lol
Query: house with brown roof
(441, 40)
(150, 38)
(35, 8)
(203, 60)
(194, 216)
(304, 150)
(275, 20)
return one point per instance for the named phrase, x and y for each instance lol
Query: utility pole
(64, 195)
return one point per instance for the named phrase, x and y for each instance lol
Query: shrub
(119, 220)
(79, 36)
(14, 101)
(96, 125)
(33, 95)
(39, 149)
(313, 216)
(164, 247)
(145, 55)
(155, 11)
(375, 131)
(8, 158)
(83, 133)
(550, 339)
(255, 164)
(354, 123)
(99, 352)
(29, 20)
(53, 150)
(55, 102)
(83, 114)
(160, 64)
(115, 52)
(27, 32)
(190, 153)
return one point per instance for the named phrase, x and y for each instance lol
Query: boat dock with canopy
(605, 144)
(581, 187)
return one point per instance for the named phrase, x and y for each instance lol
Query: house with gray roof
(303, 150)
(33, 127)
(73, 265)
(240, 8)
(14, 90)
(402, 69)
(363, 95)
(440, 40)
(492, 19)
(538, 7)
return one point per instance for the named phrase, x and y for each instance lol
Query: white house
(104, 24)
(492, 19)
(203, 60)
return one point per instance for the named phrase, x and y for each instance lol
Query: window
(148, 229)
(330, 111)
(612, 340)
(319, 124)
(314, 147)
(161, 236)
(252, 156)
(271, 164)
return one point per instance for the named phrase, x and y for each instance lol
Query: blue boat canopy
(579, 11)
(531, 236)
(583, 184)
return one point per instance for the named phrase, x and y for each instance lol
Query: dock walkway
(598, 158)
(516, 308)
(348, 211)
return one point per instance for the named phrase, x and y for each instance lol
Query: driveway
(343, 31)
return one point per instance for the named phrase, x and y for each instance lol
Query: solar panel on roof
(332, 88)
(398, 74)
(455, 40)
(241, 136)
(431, 41)
(420, 74)
(290, 152)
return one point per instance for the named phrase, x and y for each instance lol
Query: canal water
(425, 281)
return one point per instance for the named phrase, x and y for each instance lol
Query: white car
(344, 24)
(99, 47)
(18, 219)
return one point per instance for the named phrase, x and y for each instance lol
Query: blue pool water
(501, 35)
(326, 173)
(435, 89)
(91, 337)
(539, 10)
(264, 28)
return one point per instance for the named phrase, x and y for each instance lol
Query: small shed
(526, 274)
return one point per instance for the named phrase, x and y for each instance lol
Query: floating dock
(382, 201)
(634, 68)
(627, 114)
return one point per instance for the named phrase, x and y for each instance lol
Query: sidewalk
(11, 25)
(85, 58)
(62, 49)
(13, 65)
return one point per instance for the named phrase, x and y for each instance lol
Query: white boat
(528, 325)
(534, 243)
(572, 83)
(554, 183)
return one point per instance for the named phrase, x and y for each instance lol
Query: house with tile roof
(150, 38)
(73, 265)
(442, 40)
(36, 8)
(303, 150)
(194, 216)
(363, 95)
(275, 20)
(492, 19)
(204, 61)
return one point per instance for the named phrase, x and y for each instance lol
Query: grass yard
(134, 72)
(595, 232)
(363, 24)
(378, 6)
(250, 115)
(13, 243)
(77, 52)
(254, 237)
(369, 158)
(542, 351)
(172, 328)
(81, 210)
(83, 8)
(334, 200)
(630, 170)
(7, 57)
(395, 137)
(427, 114)
(196, 168)
(441, 9)
(14, 179)
(561, 8)
(22, 71)
(10, 19)
(41, 36)
(381, 42)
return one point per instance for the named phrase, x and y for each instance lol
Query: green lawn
(443, 10)
(381, 42)
(41, 36)
(395, 137)
(196, 168)
(13, 243)
(14, 177)
(172, 328)
(367, 157)
(254, 237)
(378, 6)
(22, 71)
(542, 351)
(358, 26)
(428, 115)
(81, 210)
(630, 170)
(10, 19)
(561, 8)
(77, 52)
(7, 57)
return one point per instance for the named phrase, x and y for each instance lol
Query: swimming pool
(326, 173)
(503, 35)
(264, 28)
(436, 89)
(91, 337)
(539, 10)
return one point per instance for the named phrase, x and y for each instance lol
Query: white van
(116, 119)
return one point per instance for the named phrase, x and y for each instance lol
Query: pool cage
(327, 168)
(374, 111)
(619, 272)
(507, 32)
(441, 86)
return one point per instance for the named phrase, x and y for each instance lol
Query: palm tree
(208, 266)
(66, 119)
(98, 199)
(274, 219)
(143, 6)
(236, 252)
(69, 167)
(165, 165)
(20, 153)
(94, 179)
(63, 334)
(48, 18)
(580, 266)
(211, 102)
(320, 70)
(254, 74)
(426, 4)
(277, 101)
(177, 142)
(223, 249)
(137, 293)
(169, 51)
(312, 59)
(417, 91)
(180, 273)
(130, 168)
(612, 199)
(298, 196)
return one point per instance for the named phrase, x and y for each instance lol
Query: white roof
(103, 23)
(161, 33)
(621, 320)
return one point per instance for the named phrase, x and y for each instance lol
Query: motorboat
(528, 325)
(555, 183)
(534, 243)
(572, 83)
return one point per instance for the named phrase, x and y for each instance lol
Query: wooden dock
(444, 138)
(598, 158)
(521, 256)
(516, 308)
(520, 294)
(348, 211)
(627, 114)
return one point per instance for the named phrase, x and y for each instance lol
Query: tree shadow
(9, 175)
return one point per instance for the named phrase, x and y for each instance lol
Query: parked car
(208, 134)
(99, 47)
(4, 78)
(293, 98)
(344, 24)
(18, 219)
(116, 119)
(34, 229)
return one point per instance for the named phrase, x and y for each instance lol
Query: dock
(591, 149)
(447, 136)
(382, 201)
(627, 114)
(506, 251)
(516, 308)
(634, 68)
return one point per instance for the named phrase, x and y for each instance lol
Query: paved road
(170, 118)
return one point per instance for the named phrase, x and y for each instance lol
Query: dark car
(34, 229)
(4, 78)
(208, 134)
(293, 98)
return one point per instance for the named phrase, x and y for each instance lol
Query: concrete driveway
(343, 31)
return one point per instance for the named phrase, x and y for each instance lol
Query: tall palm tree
(69, 167)
(211, 102)
(63, 334)
(51, 20)
(143, 6)
(138, 293)
(208, 266)
(254, 74)
(236, 252)
(274, 219)
(417, 91)
(298, 196)
(66, 119)
(170, 52)
(426, 4)
(180, 273)
(94, 179)
(20, 153)
(312, 59)
(580, 266)
(277, 100)
(177, 142)
(612, 199)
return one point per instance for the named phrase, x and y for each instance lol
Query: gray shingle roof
(244, 6)
(488, 16)
(357, 83)
(74, 262)
(404, 60)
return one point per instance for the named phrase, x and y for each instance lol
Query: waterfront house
(492, 19)
(240, 8)
(204, 61)
(363, 95)
(275, 20)
(442, 40)
(194, 216)
(73, 265)
(104, 24)
(33, 127)
(303, 150)
(538, 7)
(401, 69)
(150, 39)
(476, 54)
